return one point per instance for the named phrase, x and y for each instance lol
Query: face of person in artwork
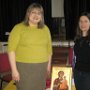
(35, 16)
(61, 74)
(84, 23)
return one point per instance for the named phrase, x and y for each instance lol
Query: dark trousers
(82, 80)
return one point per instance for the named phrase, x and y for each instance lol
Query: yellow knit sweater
(31, 45)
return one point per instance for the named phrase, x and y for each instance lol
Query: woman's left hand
(48, 69)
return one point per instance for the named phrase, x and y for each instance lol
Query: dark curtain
(72, 10)
(13, 11)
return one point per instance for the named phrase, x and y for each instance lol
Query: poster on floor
(61, 78)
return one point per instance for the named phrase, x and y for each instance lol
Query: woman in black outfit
(82, 53)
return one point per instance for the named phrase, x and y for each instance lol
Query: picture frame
(61, 78)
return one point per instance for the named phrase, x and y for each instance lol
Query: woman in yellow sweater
(30, 50)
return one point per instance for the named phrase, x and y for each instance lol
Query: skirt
(32, 76)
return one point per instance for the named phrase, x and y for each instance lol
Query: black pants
(82, 80)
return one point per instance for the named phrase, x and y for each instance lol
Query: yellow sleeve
(14, 38)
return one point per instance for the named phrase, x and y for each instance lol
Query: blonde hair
(29, 9)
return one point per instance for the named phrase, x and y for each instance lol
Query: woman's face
(84, 23)
(35, 16)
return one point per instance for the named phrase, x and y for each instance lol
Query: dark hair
(29, 9)
(79, 32)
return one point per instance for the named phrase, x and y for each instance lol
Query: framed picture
(61, 78)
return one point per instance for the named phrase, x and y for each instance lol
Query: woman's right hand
(15, 76)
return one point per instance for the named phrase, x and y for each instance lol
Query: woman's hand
(49, 66)
(16, 76)
(12, 60)
(48, 69)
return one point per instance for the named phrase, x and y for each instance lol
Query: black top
(82, 53)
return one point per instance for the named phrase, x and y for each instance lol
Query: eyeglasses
(36, 13)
